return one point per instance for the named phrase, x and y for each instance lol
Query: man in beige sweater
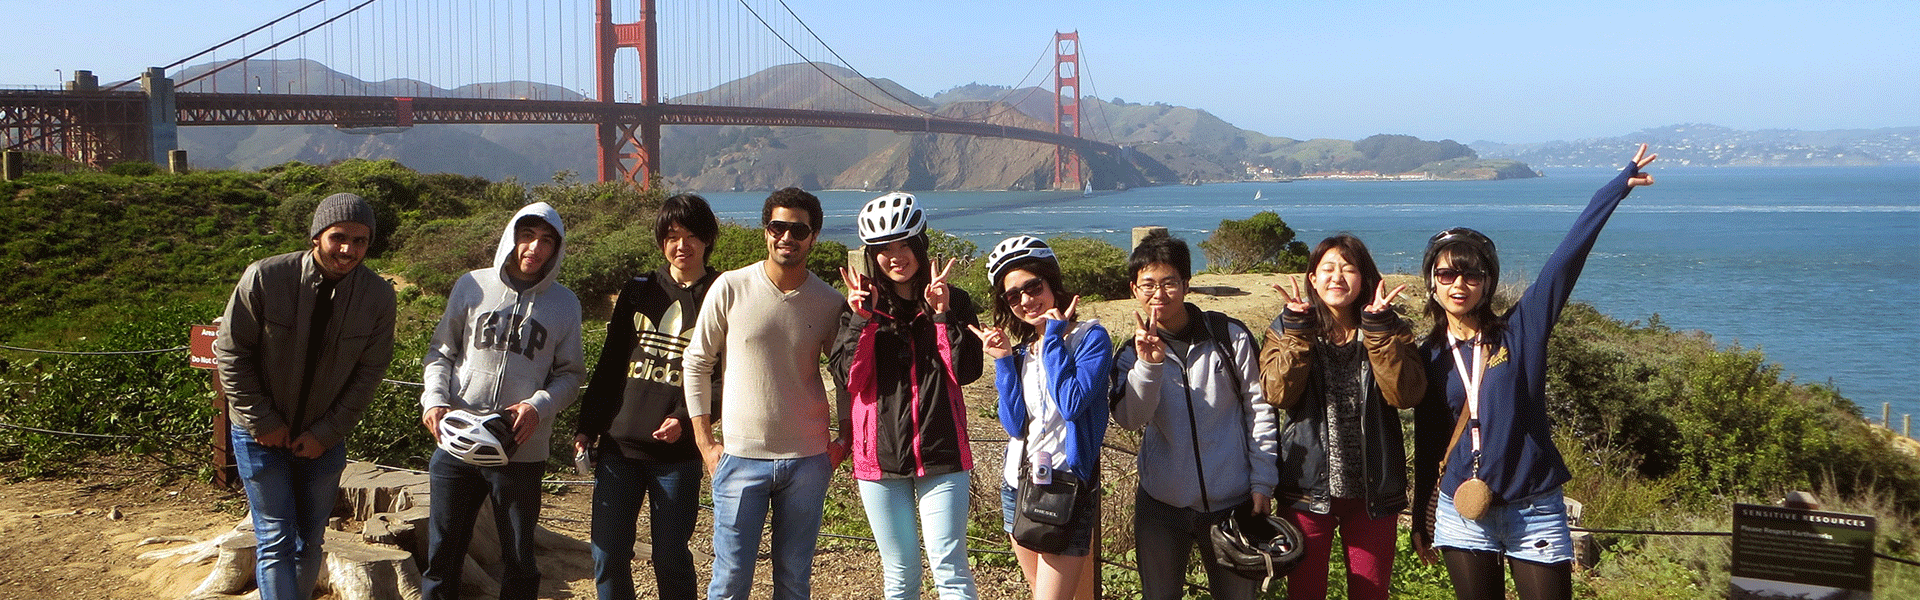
(772, 321)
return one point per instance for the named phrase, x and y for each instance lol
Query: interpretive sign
(1800, 554)
(200, 346)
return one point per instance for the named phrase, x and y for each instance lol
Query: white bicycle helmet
(478, 439)
(1013, 250)
(891, 218)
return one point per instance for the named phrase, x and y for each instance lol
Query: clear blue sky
(1494, 70)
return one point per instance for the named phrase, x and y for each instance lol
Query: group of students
(1304, 423)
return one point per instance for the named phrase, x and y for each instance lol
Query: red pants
(1369, 545)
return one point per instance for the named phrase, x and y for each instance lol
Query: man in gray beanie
(304, 343)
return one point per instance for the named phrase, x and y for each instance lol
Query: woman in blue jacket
(1500, 493)
(1051, 372)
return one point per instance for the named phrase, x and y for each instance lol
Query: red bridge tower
(637, 141)
(1066, 106)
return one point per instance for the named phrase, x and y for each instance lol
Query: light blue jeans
(942, 500)
(290, 498)
(744, 490)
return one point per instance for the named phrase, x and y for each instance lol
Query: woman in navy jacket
(1493, 367)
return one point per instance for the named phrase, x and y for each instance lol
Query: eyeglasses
(1149, 287)
(798, 231)
(1032, 287)
(1446, 276)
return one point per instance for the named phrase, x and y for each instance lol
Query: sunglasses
(1448, 275)
(1032, 287)
(798, 231)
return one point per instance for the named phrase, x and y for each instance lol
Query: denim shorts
(1079, 539)
(1531, 529)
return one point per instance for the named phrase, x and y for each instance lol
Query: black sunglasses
(1031, 288)
(799, 231)
(1448, 275)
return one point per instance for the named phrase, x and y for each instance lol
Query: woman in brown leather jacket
(1341, 363)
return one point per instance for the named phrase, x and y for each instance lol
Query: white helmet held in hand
(890, 218)
(478, 439)
(1013, 250)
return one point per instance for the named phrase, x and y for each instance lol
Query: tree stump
(356, 570)
(381, 562)
(367, 490)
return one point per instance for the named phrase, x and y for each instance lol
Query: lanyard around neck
(1471, 381)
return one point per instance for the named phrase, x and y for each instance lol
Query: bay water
(1817, 267)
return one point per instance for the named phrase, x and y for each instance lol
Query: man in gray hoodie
(509, 343)
(1191, 380)
(304, 342)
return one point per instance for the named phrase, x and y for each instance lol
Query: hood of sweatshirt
(504, 253)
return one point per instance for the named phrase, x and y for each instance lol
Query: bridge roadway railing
(24, 109)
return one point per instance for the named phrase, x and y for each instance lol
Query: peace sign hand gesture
(859, 295)
(1146, 338)
(1296, 302)
(1640, 161)
(1055, 314)
(1383, 300)
(993, 340)
(939, 296)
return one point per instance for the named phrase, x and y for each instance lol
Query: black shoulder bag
(1044, 510)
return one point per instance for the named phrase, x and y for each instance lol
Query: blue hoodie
(498, 345)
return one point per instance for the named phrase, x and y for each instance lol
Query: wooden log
(232, 571)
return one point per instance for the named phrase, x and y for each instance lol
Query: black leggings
(1476, 576)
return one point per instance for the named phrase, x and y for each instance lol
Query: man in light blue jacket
(508, 345)
(1191, 379)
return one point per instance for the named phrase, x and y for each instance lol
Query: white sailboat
(1256, 195)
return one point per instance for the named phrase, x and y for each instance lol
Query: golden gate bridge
(626, 67)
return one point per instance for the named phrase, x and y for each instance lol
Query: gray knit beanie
(340, 208)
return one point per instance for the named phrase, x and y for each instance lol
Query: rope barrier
(1651, 532)
(70, 353)
(68, 433)
(5, 425)
(94, 435)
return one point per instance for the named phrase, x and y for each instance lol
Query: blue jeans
(1533, 529)
(1163, 538)
(458, 491)
(942, 500)
(290, 498)
(620, 484)
(744, 489)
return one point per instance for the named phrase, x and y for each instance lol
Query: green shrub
(1091, 267)
(133, 169)
(1262, 242)
(152, 404)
